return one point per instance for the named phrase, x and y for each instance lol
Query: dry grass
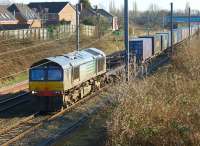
(163, 109)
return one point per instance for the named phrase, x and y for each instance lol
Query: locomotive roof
(76, 58)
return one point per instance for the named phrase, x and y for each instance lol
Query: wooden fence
(54, 32)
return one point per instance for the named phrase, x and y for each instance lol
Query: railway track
(26, 126)
(12, 102)
(11, 134)
(29, 124)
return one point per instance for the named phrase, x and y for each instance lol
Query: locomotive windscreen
(37, 74)
(46, 74)
(54, 74)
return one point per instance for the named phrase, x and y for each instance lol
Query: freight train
(60, 81)
(147, 47)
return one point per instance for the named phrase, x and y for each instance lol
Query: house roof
(5, 15)
(104, 13)
(52, 7)
(24, 10)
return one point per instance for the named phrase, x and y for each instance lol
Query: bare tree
(135, 9)
(187, 6)
(112, 7)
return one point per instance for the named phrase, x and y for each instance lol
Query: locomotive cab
(46, 83)
(61, 81)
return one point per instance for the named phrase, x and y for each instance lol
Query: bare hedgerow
(163, 109)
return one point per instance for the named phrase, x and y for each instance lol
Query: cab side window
(101, 63)
(76, 73)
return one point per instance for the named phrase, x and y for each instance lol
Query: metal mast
(77, 28)
(172, 29)
(126, 37)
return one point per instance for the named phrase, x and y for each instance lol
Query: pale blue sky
(142, 4)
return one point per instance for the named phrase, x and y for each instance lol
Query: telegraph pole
(172, 25)
(126, 37)
(77, 28)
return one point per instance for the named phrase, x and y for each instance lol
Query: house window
(76, 73)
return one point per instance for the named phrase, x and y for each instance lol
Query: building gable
(68, 13)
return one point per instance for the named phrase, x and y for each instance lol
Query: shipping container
(184, 34)
(142, 48)
(164, 40)
(169, 38)
(156, 42)
(175, 36)
(179, 35)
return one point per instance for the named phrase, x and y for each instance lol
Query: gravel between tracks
(51, 129)
(16, 114)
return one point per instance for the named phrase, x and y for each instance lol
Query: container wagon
(142, 48)
(156, 44)
(164, 40)
(175, 36)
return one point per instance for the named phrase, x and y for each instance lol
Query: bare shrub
(163, 109)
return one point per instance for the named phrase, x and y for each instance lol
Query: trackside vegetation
(163, 109)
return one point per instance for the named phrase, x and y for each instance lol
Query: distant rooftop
(5, 15)
(24, 10)
(53, 7)
(104, 13)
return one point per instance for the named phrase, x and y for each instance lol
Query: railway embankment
(162, 109)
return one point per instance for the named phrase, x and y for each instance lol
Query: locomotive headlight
(34, 92)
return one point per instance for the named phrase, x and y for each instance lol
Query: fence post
(23, 34)
(8, 34)
(42, 33)
(59, 31)
(64, 27)
(31, 34)
(34, 33)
